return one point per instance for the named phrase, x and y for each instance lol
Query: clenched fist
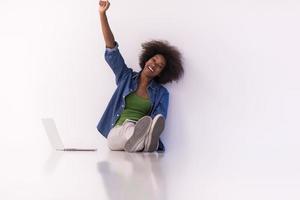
(103, 6)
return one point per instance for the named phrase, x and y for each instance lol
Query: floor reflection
(52, 161)
(133, 175)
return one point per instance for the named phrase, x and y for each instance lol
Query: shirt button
(112, 124)
(117, 115)
(123, 96)
(122, 106)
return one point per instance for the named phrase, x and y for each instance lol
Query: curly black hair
(173, 70)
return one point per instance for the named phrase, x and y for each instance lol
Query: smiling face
(154, 66)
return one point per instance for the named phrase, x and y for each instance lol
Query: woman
(135, 116)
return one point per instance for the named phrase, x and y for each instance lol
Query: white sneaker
(141, 129)
(152, 139)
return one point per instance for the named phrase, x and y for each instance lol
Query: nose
(154, 65)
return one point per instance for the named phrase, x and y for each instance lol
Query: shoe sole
(155, 133)
(140, 131)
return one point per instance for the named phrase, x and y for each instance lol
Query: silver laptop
(55, 139)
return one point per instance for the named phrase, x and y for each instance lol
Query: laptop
(55, 139)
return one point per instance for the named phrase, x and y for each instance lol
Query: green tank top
(135, 108)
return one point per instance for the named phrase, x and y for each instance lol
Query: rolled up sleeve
(116, 62)
(112, 49)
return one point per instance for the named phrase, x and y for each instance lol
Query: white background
(233, 123)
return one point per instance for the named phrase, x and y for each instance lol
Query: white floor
(119, 175)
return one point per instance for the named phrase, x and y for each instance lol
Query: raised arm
(112, 54)
(107, 34)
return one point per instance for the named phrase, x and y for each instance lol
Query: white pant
(120, 134)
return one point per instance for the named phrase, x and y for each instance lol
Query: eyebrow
(161, 64)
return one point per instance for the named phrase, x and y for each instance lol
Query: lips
(150, 68)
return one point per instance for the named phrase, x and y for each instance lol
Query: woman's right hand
(103, 6)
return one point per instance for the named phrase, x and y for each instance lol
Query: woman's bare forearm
(107, 33)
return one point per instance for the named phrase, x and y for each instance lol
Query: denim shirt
(127, 81)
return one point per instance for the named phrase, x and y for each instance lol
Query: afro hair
(173, 70)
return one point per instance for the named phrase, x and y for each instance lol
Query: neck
(144, 81)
